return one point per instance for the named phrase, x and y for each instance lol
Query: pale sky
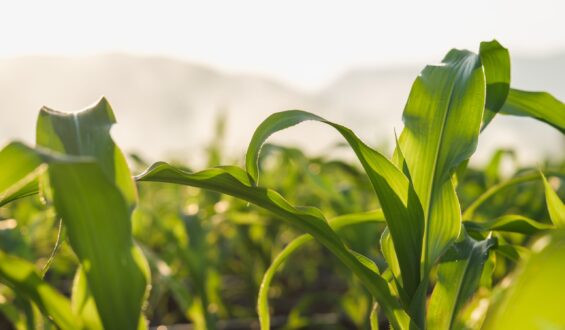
(304, 43)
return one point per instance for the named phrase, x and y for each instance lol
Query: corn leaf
(540, 105)
(94, 194)
(20, 169)
(396, 195)
(236, 182)
(534, 299)
(435, 141)
(97, 220)
(87, 133)
(509, 223)
(496, 63)
(22, 277)
(555, 206)
(459, 273)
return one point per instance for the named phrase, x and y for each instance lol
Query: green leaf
(22, 277)
(459, 273)
(396, 195)
(92, 208)
(336, 224)
(20, 169)
(540, 105)
(87, 133)
(436, 140)
(496, 63)
(554, 204)
(94, 193)
(534, 298)
(509, 223)
(236, 182)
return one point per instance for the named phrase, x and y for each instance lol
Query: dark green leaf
(459, 274)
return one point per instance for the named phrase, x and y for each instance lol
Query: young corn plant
(429, 242)
(79, 169)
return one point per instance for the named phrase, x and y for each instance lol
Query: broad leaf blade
(98, 226)
(436, 140)
(540, 105)
(95, 194)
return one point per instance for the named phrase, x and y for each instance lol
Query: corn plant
(79, 169)
(428, 240)
(439, 258)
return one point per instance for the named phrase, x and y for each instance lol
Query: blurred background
(170, 68)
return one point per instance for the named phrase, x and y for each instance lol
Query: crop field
(92, 237)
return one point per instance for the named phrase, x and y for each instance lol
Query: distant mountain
(168, 106)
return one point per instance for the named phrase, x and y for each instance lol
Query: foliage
(419, 239)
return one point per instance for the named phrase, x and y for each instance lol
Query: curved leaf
(509, 223)
(236, 182)
(396, 195)
(540, 105)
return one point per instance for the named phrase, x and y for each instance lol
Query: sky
(304, 43)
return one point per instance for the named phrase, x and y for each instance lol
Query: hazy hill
(165, 105)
